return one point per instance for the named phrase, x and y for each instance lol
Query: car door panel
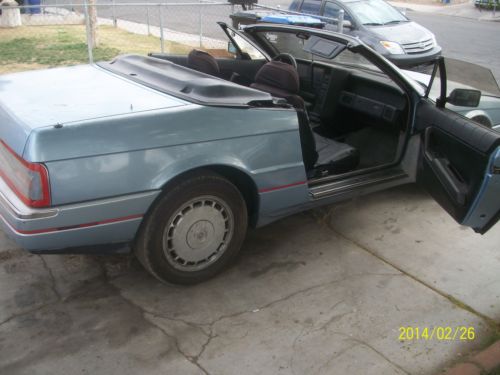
(456, 159)
(482, 213)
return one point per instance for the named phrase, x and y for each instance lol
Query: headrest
(203, 62)
(280, 75)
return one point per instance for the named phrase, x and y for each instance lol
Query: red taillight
(30, 181)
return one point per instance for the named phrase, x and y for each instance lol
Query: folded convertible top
(185, 83)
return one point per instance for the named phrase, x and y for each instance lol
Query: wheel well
(240, 179)
(245, 185)
(483, 120)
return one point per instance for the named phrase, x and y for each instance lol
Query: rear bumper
(105, 221)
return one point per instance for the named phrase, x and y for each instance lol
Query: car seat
(203, 62)
(320, 154)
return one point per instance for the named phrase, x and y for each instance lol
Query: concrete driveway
(324, 292)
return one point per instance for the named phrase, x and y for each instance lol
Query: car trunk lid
(35, 99)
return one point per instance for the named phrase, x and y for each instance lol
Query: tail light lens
(30, 181)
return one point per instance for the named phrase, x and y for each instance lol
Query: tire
(194, 230)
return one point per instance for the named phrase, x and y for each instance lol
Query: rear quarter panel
(122, 155)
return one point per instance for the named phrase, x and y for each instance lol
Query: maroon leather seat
(203, 62)
(281, 80)
(321, 155)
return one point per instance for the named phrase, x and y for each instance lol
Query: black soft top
(185, 83)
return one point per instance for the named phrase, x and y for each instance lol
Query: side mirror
(231, 48)
(464, 97)
(347, 24)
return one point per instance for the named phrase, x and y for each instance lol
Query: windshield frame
(353, 44)
(261, 38)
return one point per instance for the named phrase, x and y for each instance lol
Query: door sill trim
(336, 187)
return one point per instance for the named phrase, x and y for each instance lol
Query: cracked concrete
(451, 258)
(323, 292)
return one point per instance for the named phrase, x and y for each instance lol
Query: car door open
(459, 160)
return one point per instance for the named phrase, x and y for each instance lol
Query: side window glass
(295, 6)
(311, 6)
(332, 10)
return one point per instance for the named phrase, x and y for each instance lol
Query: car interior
(350, 119)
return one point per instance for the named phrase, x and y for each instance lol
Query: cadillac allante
(173, 157)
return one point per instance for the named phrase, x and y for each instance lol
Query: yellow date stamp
(438, 333)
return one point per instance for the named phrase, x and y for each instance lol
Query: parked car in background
(175, 156)
(461, 74)
(381, 26)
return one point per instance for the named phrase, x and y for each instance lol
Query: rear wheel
(194, 231)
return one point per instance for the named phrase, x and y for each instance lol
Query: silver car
(381, 26)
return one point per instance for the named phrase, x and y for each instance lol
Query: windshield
(376, 12)
(246, 47)
(314, 48)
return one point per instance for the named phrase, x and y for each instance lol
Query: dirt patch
(13, 68)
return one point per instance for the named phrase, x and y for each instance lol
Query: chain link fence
(66, 32)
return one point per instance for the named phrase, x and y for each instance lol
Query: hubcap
(198, 233)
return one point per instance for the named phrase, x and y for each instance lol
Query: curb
(482, 363)
(490, 19)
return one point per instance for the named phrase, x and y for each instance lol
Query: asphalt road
(465, 39)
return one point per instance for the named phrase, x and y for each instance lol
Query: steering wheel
(286, 58)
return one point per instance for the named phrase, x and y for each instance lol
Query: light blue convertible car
(175, 156)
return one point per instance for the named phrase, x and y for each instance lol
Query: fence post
(162, 44)
(340, 21)
(87, 29)
(147, 20)
(92, 13)
(114, 14)
(200, 26)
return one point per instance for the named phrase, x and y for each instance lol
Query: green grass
(36, 47)
(63, 49)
